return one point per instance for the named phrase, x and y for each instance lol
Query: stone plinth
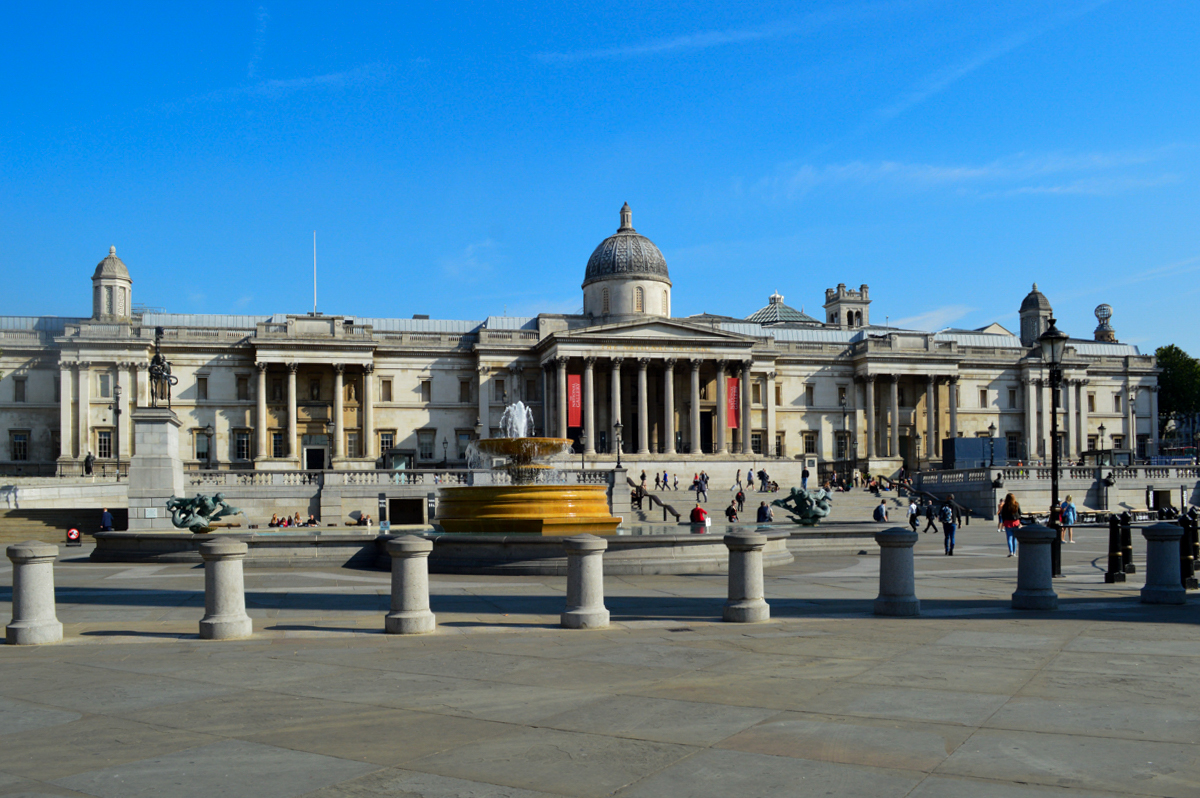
(585, 583)
(746, 603)
(225, 615)
(410, 613)
(1035, 589)
(897, 584)
(1163, 585)
(156, 471)
(33, 614)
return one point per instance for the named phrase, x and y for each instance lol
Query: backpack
(947, 514)
(879, 511)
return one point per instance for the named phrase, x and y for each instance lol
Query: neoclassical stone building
(304, 391)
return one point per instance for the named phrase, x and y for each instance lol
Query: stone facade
(295, 391)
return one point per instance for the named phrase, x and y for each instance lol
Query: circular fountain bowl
(523, 450)
(528, 509)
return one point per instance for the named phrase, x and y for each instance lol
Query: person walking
(665, 480)
(929, 515)
(738, 479)
(950, 517)
(657, 481)
(106, 522)
(765, 514)
(741, 500)
(675, 482)
(702, 488)
(914, 514)
(1010, 520)
(804, 479)
(881, 513)
(750, 480)
(1067, 517)
(731, 513)
(643, 480)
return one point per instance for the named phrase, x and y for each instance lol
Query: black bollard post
(1116, 562)
(1187, 559)
(1056, 544)
(1127, 543)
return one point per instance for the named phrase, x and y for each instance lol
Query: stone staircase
(51, 526)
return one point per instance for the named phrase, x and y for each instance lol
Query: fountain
(533, 501)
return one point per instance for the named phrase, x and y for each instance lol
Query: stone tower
(112, 289)
(847, 308)
(1104, 331)
(1035, 316)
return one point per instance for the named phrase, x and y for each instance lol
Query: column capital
(892, 378)
(952, 380)
(696, 361)
(772, 375)
(561, 361)
(293, 367)
(669, 362)
(643, 363)
(517, 369)
(746, 366)
(262, 366)
(64, 365)
(340, 368)
(930, 380)
(589, 362)
(83, 365)
(722, 365)
(870, 378)
(617, 361)
(482, 369)
(369, 369)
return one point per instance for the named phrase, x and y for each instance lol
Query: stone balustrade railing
(379, 477)
(1019, 474)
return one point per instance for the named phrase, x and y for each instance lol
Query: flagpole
(314, 272)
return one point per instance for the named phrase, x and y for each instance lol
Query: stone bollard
(225, 615)
(585, 583)
(1035, 590)
(1162, 565)
(897, 585)
(410, 613)
(746, 603)
(33, 619)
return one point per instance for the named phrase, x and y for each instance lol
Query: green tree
(1178, 386)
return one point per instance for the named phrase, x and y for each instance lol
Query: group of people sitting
(287, 521)
(363, 520)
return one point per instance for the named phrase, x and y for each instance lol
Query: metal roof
(981, 339)
(511, 323)
(1098, 349)
(421, 325)
(823, 336)
(47, 324)
(218, 320)
(776, 313)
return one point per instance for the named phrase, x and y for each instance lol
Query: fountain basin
(559, 510)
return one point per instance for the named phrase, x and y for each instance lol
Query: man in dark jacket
(106, 521)
(929, 517)
(765, 516)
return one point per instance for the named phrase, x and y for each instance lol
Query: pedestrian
(738, 479)
(702, 488)
(106, 523)
(881, 514)
(731, 513)
(741, 500)
(675, 482)
(664, 483)
(929, 515)
(750, 480)
(914, 514)
(699, 514)
(88, 463)
(643, 479)
(657, 481)
(1010, 520)
(949, 516)
(1067, 517)
(765, 515)
(762, 480)
(804, 479)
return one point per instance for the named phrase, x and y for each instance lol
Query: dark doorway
(706, 431)
(406, 511)
(314, 459)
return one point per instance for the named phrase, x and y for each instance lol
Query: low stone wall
(63, 495)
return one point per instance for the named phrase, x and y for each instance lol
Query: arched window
(639, 300)
(849, 318)
(858, 318)
(604, 301)
(666, 311)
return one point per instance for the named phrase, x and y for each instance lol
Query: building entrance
(314, 458)
(706, 431)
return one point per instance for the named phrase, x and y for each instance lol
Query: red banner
(733, 402)
(574, 401)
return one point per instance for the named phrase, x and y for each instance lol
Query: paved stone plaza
(971, 699)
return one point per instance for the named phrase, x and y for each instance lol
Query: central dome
(626, 254)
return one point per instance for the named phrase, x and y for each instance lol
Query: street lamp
(445, 450)
(209, 432)
(583, 439)
(992, 445)
(617, 438)
(116, 408)
(846, 453)
(917, 449)
(1101, 455)
(1054, 343)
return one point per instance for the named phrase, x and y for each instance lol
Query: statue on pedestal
(808, 506)
(200, 513)
(161, 378)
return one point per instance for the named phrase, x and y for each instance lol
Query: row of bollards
(1171, 550)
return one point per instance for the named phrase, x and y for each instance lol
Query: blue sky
(462, 160)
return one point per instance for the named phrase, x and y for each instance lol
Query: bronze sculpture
(809, 506)
(161, 378)
(198, 514)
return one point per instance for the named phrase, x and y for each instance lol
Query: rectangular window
(426, 391)
(425, 444)
(756, 394)
(983, 397)
(810, 395)
(18, 444)
(464, 391)
(387, 440)
(843, 446)
(19, 389)
(1116, 403)
(277, 449)
(1091, 403)
(276, 390)
(1143, 441)
(463, 438)
(1012, 398)
(778, 445)
(778, 394)
(841, 395)
(241, 440)
(756, 442)
(1093, 442)
(201, 389)
(352, 444)
(243, 389)
(1118, 441)
(104, 448)
(385, 391)
(200, 444)
(531, 387)
(1012, 442)
(105, 386)
(810, 443)
(499, 394)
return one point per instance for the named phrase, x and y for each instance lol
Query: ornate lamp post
(583, 439)
(917, 449)
(116, 408)
(1054, 343)
(845, 443)
(1101, 456)
(992, 445)
(617, 438)
(445, 450)
(209, 432)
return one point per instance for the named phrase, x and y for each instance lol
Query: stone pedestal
(1163, 585)
(225, 615)
(33, 617)
(585, 583)
(746, 603)
(410, 613)
(897, 585)
(156, 471)
(1034, 573)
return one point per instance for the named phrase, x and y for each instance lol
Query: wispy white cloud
(261, 17)
(275, 89)
(941, 80)
(242, 301)
(934, 319)
(471, 262)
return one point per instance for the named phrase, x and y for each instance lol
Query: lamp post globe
(992, 444)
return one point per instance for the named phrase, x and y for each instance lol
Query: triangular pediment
(657, 329)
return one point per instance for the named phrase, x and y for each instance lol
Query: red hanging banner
(574, 401)
(732, 401)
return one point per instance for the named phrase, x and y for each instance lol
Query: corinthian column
(643, 408)
(869, 390)
(932, 448)
(292, 420)
(669, 404)
(562, 396)
(260, 413)
(65, 423)
(368, 408)
(589, 404)
(894, 401)
(769, 401)
(953, 407)
(722, 410)
(744, 396)
(339, 436)
(614, 380)
(694, 415)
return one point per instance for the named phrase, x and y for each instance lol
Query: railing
(217, 479)
(23, 469)
(104, 469)
(1018, 474)
(383, 478)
